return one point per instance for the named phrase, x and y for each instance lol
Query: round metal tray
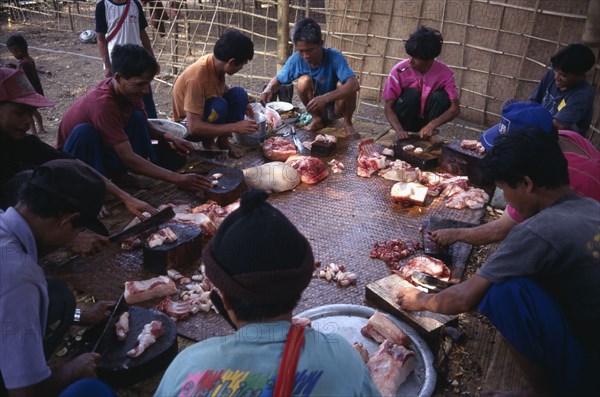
(347, 320)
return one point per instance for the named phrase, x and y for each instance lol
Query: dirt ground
(68, 69)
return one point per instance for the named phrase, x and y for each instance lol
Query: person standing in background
(123, 22)
(17, 46)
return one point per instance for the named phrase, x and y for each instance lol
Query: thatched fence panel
(497, 48)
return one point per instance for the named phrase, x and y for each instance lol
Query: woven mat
(342, 216)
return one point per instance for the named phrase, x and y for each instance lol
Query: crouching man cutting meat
(540, 288)
(60, 199)
(260, 283)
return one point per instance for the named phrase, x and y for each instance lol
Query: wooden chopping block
(460, 161)
(382, 293)
(229, 188)
(187, 248)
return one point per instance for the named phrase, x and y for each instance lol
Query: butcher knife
(144, 225)
(433, 284)
(110, 323)
(297, 141)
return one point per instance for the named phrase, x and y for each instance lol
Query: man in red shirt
(108, 129)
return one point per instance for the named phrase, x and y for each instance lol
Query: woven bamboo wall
(497, 49)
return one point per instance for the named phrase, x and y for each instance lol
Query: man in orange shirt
(209, 107)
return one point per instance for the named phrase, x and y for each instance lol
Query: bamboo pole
(283, 35)
(528, 42)
(496, 39)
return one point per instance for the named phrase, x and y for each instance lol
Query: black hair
(308, 31)
(575, 58)
(526, 152)
(235, 45)
(424, 43)
(253, 312)
(17, 41)
(47, 205)
(132, 60)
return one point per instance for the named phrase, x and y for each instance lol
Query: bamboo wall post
(283, 35)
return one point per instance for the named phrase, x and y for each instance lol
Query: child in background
(17, 46)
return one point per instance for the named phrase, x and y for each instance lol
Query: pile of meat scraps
(369, 159)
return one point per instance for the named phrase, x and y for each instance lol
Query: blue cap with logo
(515, 116)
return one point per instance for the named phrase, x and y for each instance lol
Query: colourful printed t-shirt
(333, 68)
(573, 107)
(198, 83)
(246, 364)
(584, 170)
(402, 76)
(104, 110)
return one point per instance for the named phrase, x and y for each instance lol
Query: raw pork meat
(147, 338)
(325, 138)
(472, 144)
(163, 236)
(369, 160)
(278, 149)
(473, 198)
(390, 366)
(132, 243)
(380, 328)
(409, 193)
(273, 177)
(401, 171)
(311, 169)
(215, 212)
(139, 291)
(176, 310)
(122, 326)
(424, 264)
(199, 219)
(391, 252)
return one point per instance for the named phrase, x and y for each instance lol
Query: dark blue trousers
(85, 144)
(534, 324)
(88, 388)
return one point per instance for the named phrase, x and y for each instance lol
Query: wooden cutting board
(382, 293)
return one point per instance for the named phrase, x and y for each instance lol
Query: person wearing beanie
(420, 92)
(60, 199)
(260, 264)
(540, 286)
(582, 157)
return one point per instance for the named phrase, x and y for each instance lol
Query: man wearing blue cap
(540, 287)
(582, 157)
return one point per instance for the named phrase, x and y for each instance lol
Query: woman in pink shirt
(420, 93)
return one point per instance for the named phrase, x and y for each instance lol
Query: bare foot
(351, 132)
(234, 151)
(315, 124)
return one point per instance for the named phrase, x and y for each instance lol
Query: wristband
(77, 316)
